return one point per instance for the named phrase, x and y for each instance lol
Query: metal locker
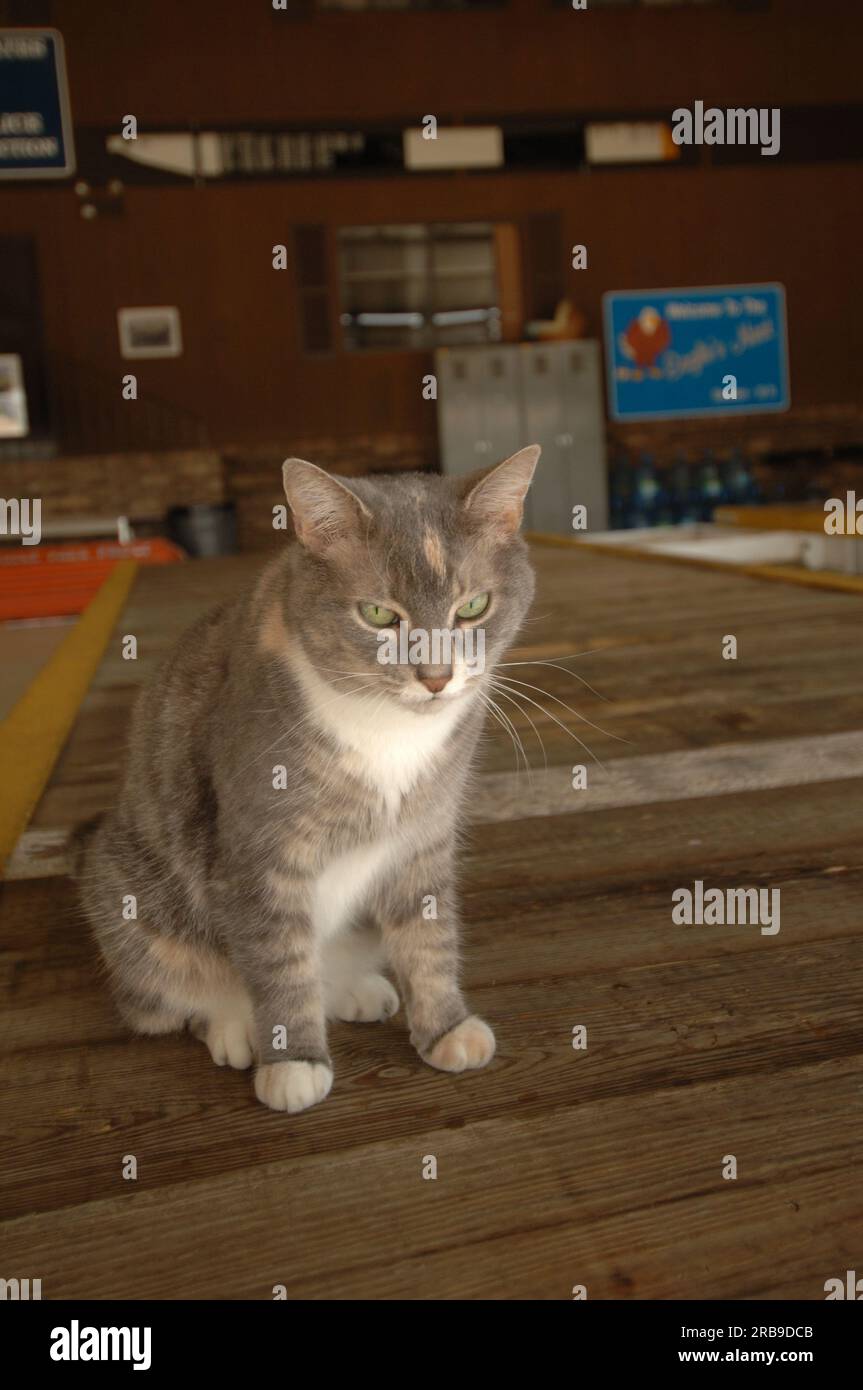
(479, 406)
(502, 407)
(493, 401)
(583, 432)
(542, 385)
(460, 409)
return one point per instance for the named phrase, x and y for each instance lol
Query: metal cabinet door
(551, 508)
(479, 406)
(583, 429)
(460, 409)
(502, 408)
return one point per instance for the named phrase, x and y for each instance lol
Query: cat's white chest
(393, 753)
(387, 747)
(346, 882)
(390, 761)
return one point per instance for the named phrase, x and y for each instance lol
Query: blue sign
(35, 123)
(715, 351)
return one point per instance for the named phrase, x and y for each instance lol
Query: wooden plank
(623, 1195)
(24, 650)
(724, 770)
(671, 1006)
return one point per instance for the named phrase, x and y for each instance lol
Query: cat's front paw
(367, 999)
(293, 1086)
(469, 1044)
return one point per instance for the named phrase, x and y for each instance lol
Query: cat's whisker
(553, 717)
(559, 656)
(557, 666)
(335, 750)
(516, 736)
(277, 709)
(467, 557)
(497, 714)
(512, 699)
(583, 717)
(340, 671)
(332, 783)
(387, 578)
(283, 737)
(536, 618)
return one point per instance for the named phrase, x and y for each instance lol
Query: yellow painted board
(774, 517)
(33, 734)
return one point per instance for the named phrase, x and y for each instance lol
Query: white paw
(469, 1044)
(367, 999)
(292, 1086)
(230, 1038)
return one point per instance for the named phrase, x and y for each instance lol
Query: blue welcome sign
(714, 351)
(35, 122)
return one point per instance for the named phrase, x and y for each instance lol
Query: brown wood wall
(230, 59)
(208, 250)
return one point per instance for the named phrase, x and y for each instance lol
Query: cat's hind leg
(164, 974)
(162, 984)
(218, 1007)
(355, 990)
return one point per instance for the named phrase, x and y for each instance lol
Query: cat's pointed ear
(495, 498)
(324, 510)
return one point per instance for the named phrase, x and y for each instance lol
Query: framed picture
(150, 332)
(14, 423)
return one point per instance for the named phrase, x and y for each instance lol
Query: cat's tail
(79, 842)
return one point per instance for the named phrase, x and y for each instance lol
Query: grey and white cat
(289, 813)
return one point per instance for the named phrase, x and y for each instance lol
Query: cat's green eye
(474, 607)
(377, 615)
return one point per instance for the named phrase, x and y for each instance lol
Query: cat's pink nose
(434, 683)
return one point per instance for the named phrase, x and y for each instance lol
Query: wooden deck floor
(555, 1167)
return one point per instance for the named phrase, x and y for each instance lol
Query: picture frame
(151, 331)
(14, 418)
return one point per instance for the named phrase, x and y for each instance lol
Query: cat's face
(410, 587)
